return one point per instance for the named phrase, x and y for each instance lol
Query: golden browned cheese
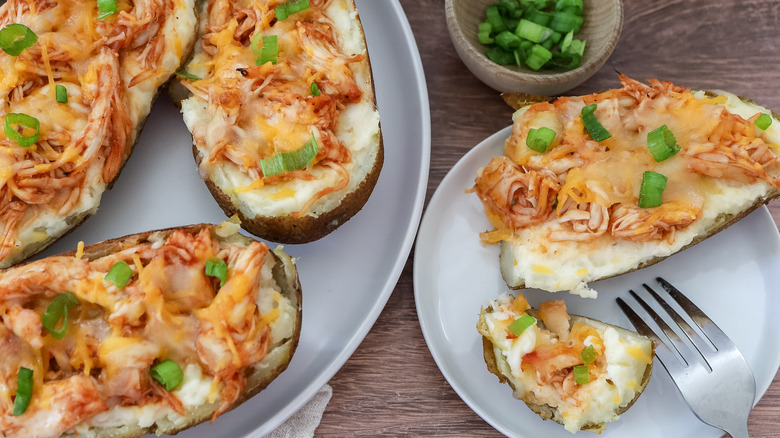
(110, 69)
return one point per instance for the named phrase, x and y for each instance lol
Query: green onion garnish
(507, 40)
(23, 120)
(540, 139)
(653, 186)
(592, 124)
(484, 33)
(106, 8)
(119, 274)
(315, 90)
(661, 143)
(269, 51)
(286, 9)
(15, 37)
(500, 56)
(168, 374)
(532, 31)
(185, 75)
(538, 57)
(763, 121)
(493, 17)
(291, 160)
(519, 325)
(24, 389)
(566, 22)
(581, 374)
(588, 354)
(62, 93)
(216, 267)
(58, 309)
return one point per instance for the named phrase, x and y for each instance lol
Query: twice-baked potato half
(573, 370)
(79, 79)
(283, 116)
(589, 187)
(149, 333)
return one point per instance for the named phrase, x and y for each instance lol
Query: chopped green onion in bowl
(531, 33)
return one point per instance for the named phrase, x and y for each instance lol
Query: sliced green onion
(539, 17)
(15, 37)
(269, 51)
(763, 121)
(597, 131)
(106, 8)
(216, 267)
(24, 390)
(653, 186)
(566, 22)
(575, 5)
(58, 309)
(588, 354)
(185, 75)
(315, 90)
(532, 31)
(483, 33)
(537, 57)
(494, 18)
(519, 325)
(119, 274)
(581, 374)
(539, 139)
(168, 374)
(62, 93)
(507, 40)
(661, 143)
(500, 56)
(23, 120)
(576, 47)
(291, 160)
(286, 9)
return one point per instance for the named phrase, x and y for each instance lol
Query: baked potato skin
(493, 356)
(288, 228)
(723, 221)
(286, 275)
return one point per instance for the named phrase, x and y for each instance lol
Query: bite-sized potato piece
(76, 99)
(149, 333)
(283, 116)
(582, 374)
(572, 209)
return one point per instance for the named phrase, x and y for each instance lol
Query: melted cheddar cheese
(111, 69)
(241, 113)
(575, 206)
(97, 375)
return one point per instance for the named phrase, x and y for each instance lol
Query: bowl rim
(592, 64)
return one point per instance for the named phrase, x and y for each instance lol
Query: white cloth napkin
(303, 423)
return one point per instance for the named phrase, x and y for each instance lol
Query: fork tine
(675, 340)
(664, 353)
(710, 330)
(698, 342)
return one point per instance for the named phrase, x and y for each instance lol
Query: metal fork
(718, 386)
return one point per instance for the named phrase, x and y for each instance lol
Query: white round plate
(732, 276)
(348, 275)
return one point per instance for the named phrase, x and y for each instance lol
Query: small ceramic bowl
(600, 30)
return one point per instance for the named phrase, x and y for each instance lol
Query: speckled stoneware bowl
(601, 31)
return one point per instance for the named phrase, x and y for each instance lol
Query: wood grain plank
(391, 386)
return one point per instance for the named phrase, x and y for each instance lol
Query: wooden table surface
(391, 386)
